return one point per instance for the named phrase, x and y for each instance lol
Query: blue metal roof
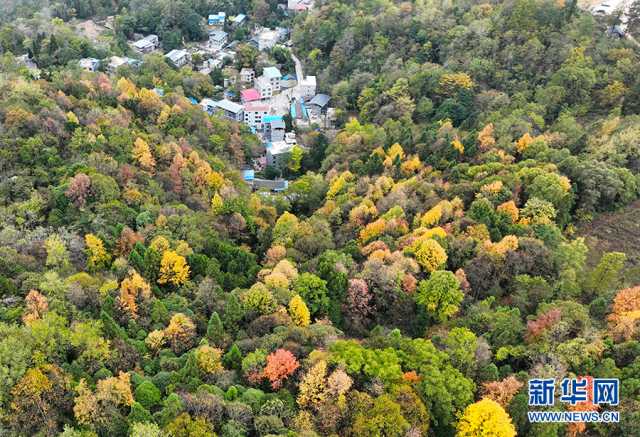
(270, 118)
(193, 100)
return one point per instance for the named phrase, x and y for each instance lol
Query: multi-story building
(264, 87)
(274, 76)
(254, 113)
(217, 39)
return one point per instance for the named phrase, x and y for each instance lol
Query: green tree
(314, 291)
(215, 329)
(147, 394)
(440, 295)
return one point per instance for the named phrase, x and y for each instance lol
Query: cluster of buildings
(264, 99)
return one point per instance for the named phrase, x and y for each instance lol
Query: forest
(426, 261)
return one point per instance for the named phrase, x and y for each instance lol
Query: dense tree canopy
(423, 264)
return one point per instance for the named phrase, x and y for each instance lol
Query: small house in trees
(208, 105)
(89, 64)
(117, 61)
(178, 57)
(276, 185)
(267, 39)
(147, 44)
(278, 153)
(238, 20)
(299, 5)
(229, 109)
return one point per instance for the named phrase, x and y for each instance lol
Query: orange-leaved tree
(280, 365)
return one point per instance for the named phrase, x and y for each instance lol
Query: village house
(288, 81)
(217, 39)
(116, 62)
(147, 44)
(229, 109)
(274, 76)
(319, 104)
(299, 5)
(208, 105)
(217, 20)
(276, 185)
(254, 113)
(274, 128)
(249, 95)
(238, 20)
(89, 64)
(264, 87)
(247, 75)
(307, 87)
(266, 39)
(178, 57)
(278, 153)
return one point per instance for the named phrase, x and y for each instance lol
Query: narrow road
(299, 70)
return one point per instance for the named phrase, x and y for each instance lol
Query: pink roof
(250, 95)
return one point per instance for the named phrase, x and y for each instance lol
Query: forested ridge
(422, 265)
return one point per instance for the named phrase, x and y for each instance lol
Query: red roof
(250, 95)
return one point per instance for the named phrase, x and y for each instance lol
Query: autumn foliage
(280, 365)
(485, 418)
(502, 391)
(133, 289)
(173, 269)
(625, 315)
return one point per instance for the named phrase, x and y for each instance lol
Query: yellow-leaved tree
(299, 312)
(209, 359)
(173, 269)
(180, 332)
(142, 154)
(133, 289)
(97, 256)
(485, 138)
(429, 254)
(485, 418)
